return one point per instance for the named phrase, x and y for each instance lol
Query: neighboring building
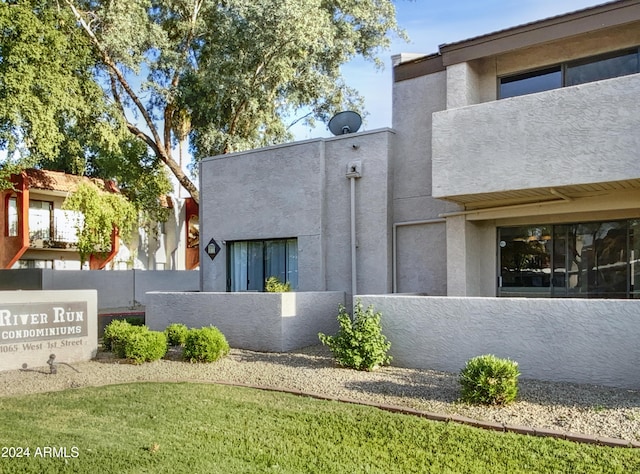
(38, 233)
(512, 169)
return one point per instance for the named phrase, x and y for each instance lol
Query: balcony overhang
(544, 195)
(573, 142)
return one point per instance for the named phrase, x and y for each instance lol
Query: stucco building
(511, 169)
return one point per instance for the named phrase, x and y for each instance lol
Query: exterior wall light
(212, 249)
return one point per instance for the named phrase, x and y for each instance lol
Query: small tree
(359, 343)
(102, 212)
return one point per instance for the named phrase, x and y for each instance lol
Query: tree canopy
(218, 76)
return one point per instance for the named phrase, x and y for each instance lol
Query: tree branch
(161, 150)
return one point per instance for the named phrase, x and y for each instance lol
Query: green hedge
(207, 344)
(144, 345)
(176, 334)
(135, 343)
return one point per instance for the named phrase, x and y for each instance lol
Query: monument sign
(36, 324)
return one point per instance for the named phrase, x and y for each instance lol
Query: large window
(595, 68)
(251, 262)
(586, 260)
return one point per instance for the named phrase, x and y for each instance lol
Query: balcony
(576, 140)
(58, 233)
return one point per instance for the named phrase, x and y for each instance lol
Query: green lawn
(173, 428)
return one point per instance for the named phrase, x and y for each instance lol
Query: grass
(166, 427)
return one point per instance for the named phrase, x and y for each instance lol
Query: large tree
(221, 76)
(47, 87)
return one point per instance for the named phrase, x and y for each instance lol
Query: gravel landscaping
(584, 409)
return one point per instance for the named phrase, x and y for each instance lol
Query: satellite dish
(345, 122)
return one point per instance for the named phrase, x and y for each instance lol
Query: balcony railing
(62, 234)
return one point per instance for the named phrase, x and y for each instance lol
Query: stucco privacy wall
(556, 150)
(36, 324)
(117, 289)
(572, 340)
(271, 322)
(300, 190)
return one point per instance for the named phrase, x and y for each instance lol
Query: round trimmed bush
(143, 345)
(115, 336)
(489, 380)
(176, 334)
(207, 344)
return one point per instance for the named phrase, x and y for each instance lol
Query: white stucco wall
(574, 135)
(271, 322)
(572, 340)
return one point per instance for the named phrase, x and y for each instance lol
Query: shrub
(207, 344)
(143, 345)
(176, 334)
(274, 285)
(135, 320)
(489, 380)
(115, 335)
(360, 343)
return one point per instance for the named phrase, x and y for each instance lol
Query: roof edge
(594, 18)
(542, 31)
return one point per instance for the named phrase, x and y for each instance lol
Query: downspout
(394, 238)
(354, 171)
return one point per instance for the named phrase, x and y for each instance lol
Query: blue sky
(430, 23)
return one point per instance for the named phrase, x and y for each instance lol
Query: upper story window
(531, 82)
(40, 219)
(12, 217)
(595, 68)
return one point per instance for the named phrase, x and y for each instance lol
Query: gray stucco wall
(421, 249)
(552, 138)
(471, 257)
(300, 190)
(572, 340)
(270, 322)
(116, 289)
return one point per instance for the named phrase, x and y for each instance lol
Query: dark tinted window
(603, 67)
(581, 260)
(595, 68)
(531, 82)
